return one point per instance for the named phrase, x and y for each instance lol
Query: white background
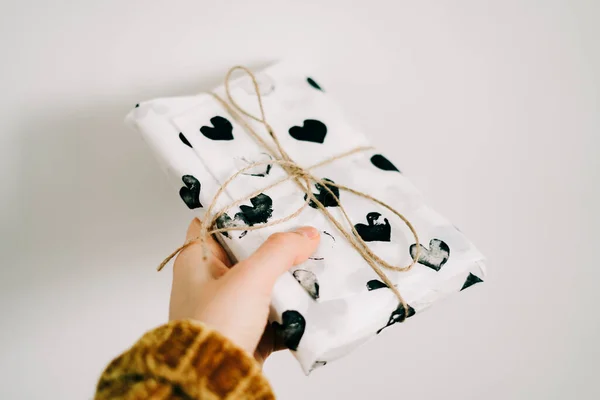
(491, 107)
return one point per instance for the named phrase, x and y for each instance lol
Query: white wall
(504, 95)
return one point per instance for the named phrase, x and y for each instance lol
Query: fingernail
(308, 231)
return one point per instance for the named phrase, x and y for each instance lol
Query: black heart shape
(375, 231)
(259, 212)
(376, 284)
(184, 140)
(398, 316)
(324, 196)
(314, 84)
(222, 129)
(383, 163)
(311, 131)
(291, 330)
(191, 193)
(470, 281)
(435, 257)
(308, 280)
(225, 221)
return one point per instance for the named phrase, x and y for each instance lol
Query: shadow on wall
(90, 189)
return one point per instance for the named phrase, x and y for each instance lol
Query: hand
(234, 300)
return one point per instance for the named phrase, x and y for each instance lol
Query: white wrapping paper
(332, 303)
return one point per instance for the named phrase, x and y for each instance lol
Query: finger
(215, 248)
(276, 255)
(190, 264)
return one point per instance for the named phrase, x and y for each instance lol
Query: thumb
(276, 255)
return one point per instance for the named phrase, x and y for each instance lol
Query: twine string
(304, 179)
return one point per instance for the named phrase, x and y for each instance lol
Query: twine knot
(297, 171)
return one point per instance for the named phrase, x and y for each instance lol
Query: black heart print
(470, 281)
(376, 284)
(291, 330)
(375, 231)
(190, 194)
(308, 281)
(184, 140)
(435, 257)
(324, 196)
(383, 163)
(312, 131)
(259, 212)
(222, 129)
(314, 84)
(398, 316)
(225, 221)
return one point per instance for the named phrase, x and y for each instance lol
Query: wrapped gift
(335, 301)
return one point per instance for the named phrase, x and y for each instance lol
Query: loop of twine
(304, 179)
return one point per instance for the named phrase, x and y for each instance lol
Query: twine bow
(304, 179)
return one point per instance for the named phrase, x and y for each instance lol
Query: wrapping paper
(332, 303)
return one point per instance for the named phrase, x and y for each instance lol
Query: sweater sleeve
(183, 360)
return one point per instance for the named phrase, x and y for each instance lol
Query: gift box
(335, 301)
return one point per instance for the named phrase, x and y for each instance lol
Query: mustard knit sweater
(183, 360)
